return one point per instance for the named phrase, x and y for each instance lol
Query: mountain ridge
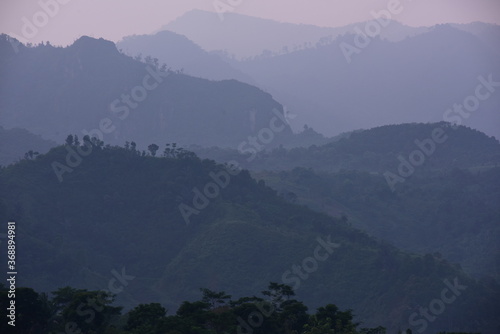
(222, 247)
(126, 101)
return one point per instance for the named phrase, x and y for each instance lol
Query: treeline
(70, 310)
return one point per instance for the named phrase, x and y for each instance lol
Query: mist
(247, 167)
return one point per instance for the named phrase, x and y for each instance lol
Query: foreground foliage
(72, 310)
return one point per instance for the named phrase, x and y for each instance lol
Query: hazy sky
(113, 19)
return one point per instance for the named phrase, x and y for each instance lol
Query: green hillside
(119, 210)
(454, 214)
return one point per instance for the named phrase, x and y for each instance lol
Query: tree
(171, 151)
(97, 142)
(33, 311)
(214, 299)
(144, 319)
(340, 321)
(278, 293)
(168, 151)
(88, 311)
(294, 316)
(318, 328)
(152, 149)
(69, 140)
(30, 155)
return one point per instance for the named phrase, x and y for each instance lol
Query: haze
(114, 19)
(250, 166)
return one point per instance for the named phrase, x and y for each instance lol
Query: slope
(180, 53)
(90, 88)
(379, 150)
(234, 33)
(119, 211)
(15, 143)
(342, 86)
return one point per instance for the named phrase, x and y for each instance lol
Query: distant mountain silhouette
(426, 70)
(414, 80)
(377, 150)
(15, 143)
(246, 36)
(84, 88)
(178, 52)
(488, 33)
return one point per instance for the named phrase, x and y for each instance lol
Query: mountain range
(89, 88)
(122, 213)
(224, 152)
(332, 79)
(234, 34)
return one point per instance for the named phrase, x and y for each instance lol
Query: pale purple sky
(114, 19)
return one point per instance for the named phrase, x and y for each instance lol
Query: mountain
(91, 88)
(370, 177)
(320, 73)
(338, 87)
(178, 52)
(378, 150)
(119, 213)
(460, 221)
(488, 33)
(236, 33)
(15, 143)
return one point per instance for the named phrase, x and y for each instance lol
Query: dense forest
(459, 222)
(275, 311)
(174, 222)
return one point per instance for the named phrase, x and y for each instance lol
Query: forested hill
(427, 146)
(454, 213)
(91, 88)
(176, 223)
